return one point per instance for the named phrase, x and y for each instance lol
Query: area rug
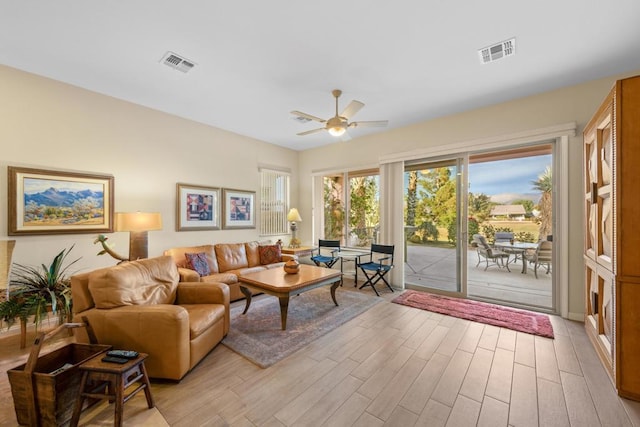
(258, 336)
(491, 314)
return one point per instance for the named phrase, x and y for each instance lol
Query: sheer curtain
(392, 216)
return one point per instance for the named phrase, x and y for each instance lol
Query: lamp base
(294, 243)
(138, 244)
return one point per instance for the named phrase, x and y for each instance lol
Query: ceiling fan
(338, 124)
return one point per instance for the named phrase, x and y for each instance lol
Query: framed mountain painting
(59, 202)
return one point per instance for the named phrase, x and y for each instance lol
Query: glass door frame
(461, 162)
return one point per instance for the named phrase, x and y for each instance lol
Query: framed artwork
(56, 202)
(239, 209)
(197, 207)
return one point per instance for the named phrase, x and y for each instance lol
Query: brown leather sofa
(141, 305)
(226, 262)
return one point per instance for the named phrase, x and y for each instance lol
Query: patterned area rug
(258, 335)
(497, 315)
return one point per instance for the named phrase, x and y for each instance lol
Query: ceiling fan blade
(351, 109)
(309, 132)
(369, 124)
(308, 116)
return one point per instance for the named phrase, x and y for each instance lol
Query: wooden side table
(299, 251)
(105, 380)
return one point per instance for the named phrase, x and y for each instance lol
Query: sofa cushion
(231, 256)
(241, 271)
(198, 262)
(141, 282)
(202, 317)
(227, 278)
(275, 265)
(270, 254)
(253, 253)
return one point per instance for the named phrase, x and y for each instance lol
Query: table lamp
(293, 216)
(138, 224)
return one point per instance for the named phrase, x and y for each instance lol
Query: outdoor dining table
(517, 248)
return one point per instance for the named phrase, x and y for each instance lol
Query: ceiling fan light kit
(338, 124)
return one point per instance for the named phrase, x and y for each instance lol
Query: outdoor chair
(326, 257)
(507, 237)
(491, 256)
(541, 256)
(379, 264)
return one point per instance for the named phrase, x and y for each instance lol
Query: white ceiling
(407, 60)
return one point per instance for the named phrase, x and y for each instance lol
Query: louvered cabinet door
(611, 160)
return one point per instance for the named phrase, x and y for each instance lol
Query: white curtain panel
(392, 216)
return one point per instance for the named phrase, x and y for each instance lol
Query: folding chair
(322, 257)
(379, 264)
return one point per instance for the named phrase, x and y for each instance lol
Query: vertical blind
(274, 202)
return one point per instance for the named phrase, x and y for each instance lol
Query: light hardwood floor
(398, 366)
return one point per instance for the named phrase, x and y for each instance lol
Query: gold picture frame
(43, 201)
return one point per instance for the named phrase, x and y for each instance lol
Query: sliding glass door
(435, 228)
(506, 196)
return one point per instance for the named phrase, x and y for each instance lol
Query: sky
(507, 180)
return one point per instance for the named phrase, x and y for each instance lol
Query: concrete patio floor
(434, 267)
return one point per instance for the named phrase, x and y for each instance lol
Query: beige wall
(570, 104)
(48, 124)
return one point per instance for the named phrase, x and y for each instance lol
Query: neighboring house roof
(505, 210)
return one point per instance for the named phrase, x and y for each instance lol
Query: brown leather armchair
(141, 305)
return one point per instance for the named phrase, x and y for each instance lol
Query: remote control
(126, 354)
(111, 359)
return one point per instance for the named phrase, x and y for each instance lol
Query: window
(352, 211)
(274, 202)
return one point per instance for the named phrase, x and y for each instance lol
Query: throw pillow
(270, 254)
(198, 262)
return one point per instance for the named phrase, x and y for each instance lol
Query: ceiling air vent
(497, 51)
(178, 62)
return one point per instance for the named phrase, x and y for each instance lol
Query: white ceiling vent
(178, 62)
(497, 51)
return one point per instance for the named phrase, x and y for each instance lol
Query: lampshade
(138, 221)
(293, 215)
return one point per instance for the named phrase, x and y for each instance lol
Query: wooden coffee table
(276, 282)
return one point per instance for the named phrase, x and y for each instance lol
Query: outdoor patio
(435, 268)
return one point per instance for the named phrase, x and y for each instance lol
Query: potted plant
(34, 291)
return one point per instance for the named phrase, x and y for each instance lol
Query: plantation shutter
(274, 202)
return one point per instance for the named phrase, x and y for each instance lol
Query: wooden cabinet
(612, 235)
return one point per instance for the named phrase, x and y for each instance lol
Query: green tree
(544, 184)
(333, 208)
(364, 207)
(437, 202)
(480, 206)
(412, 187)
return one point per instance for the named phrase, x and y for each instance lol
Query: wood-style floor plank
(523, 410)
(493, 413)
(525, 349)
(475, 382)
(500, 376)
(552, 409)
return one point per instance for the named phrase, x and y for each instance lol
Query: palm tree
(544, 184)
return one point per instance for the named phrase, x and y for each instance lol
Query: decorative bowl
(292, 266)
